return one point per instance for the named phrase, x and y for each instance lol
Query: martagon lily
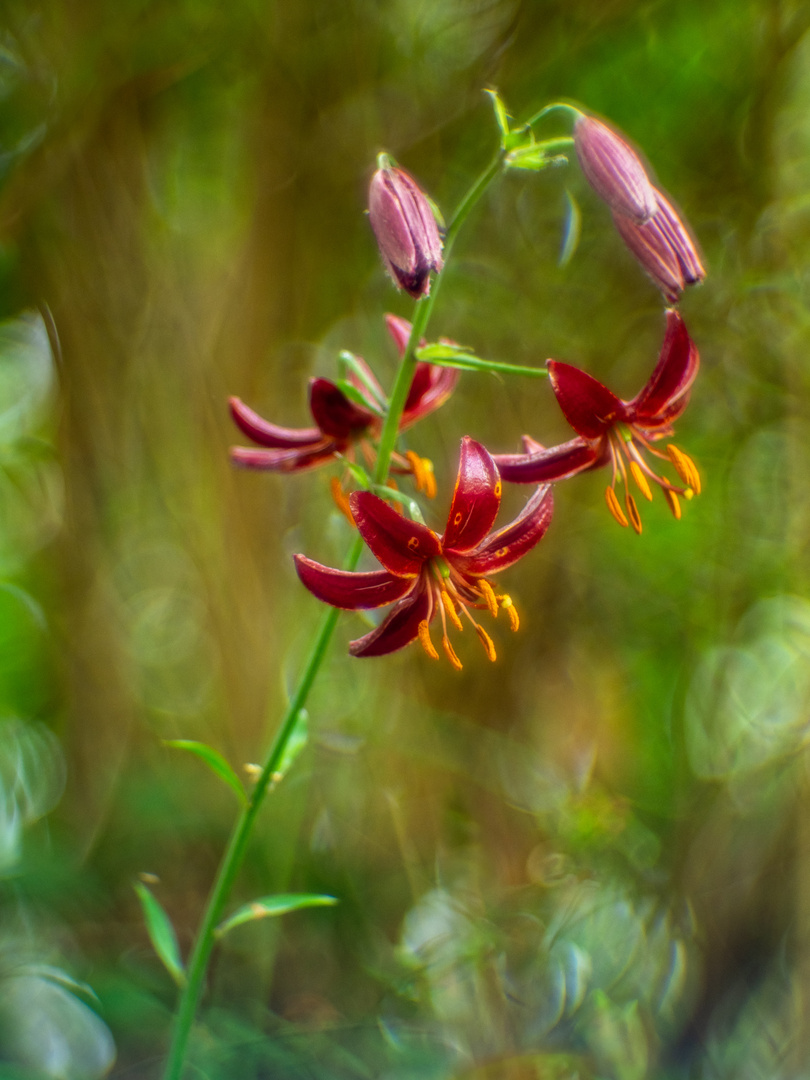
(622, 433)
(425, 574)
(342, 424)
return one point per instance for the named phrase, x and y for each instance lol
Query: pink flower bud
(613, 169)
(406, 229)
(664, 247)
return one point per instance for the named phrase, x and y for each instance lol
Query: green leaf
(299, 736)
(353, 394)
(573, 224)
(214, 760)
(347, 361)
(267, 906)
(456, 357)
(161, 933)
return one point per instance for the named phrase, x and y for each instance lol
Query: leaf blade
(214, 760)
(161, 933)
(271, 906)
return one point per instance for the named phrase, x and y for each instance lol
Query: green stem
(551, 108)
(237, 845)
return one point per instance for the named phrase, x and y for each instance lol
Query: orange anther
(674, 504)
(450, 652)
(488, 594)
(511, 611)
(424, 640)
(632, 510)
(685, 467)
(429, 478)
(340, 499)
(486, 640)
(450, 608)
(614, 508)
(641, 480)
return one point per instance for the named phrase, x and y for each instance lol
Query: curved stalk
(237, 845)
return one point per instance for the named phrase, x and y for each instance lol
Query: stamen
(685, 467)
(674, 504)
(340, 499)
(614, 508)
(486, 641)
(415, 463)
(424, 640)
(488, 594)
(641, 480)
(430, 479)
(632, 510)
(450, 652)
(511, 611)
(450, 608)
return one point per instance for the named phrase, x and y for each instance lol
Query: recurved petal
(285, 461)
(266, 434)
(401, 545)
(399, 627)
(514, 540)
(349, 589)
(666, 393)
(334, 414)
(476, 498)
(431, 387)
(549, 464)
(589, 407)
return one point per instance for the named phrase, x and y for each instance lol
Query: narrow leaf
(161, 933)
(299, 736)
(267, 906)
(448, 356)
(213, 759)
(353, 394)
(573, 224)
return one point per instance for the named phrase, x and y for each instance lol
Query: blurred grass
(182, 197)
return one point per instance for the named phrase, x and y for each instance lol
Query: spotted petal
(334, 414)
(514, 540)
(589, 407)
(399, 627)
(348, 589)
(401, 545)
(666, 394)
(476, 498)
(264, 433)
(553, 463)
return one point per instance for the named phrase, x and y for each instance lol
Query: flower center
(628, 445)
(453, 595)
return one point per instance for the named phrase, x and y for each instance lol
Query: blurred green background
(592, 860)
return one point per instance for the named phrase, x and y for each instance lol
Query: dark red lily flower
(423, 573)
(620, 432)
(341, 423)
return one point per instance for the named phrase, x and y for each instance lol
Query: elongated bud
(613, 169)
(665, 248)
(405, 228)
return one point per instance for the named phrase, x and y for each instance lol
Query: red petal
(334, 414)
(666, 394)
(400, 331)
(348, 589)
(589, 407)
(401, 545)
(399, 627)
(431, 387)
(554, 463)
(513, 541)
(266, 434)
(476, 498)
(285, 460)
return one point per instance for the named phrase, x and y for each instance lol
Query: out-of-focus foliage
(589, 860)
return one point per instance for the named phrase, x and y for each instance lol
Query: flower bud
(613, 169)
(405, 228)
(664, 247)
